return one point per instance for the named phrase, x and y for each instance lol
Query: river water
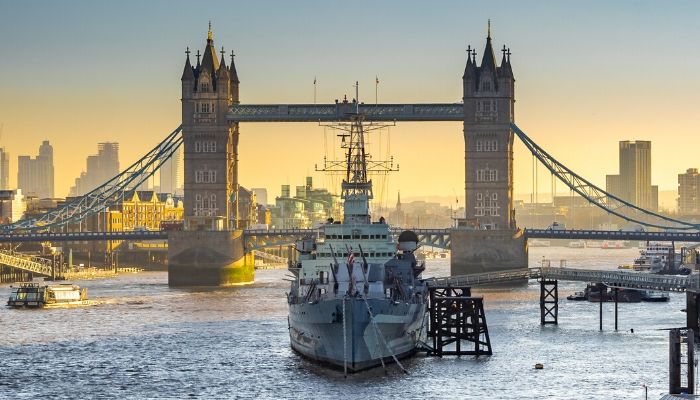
(145, 340)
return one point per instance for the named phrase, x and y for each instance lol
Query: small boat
(33, 295)
(578, 296)
(625, 266)
(654, 296)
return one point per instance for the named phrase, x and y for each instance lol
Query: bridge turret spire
(210, 61)
(470, 69)
(188, 72)
(505, 70)
(232, 69)
(488, 60)
(222, 72)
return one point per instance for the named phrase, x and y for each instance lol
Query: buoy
(539, 366)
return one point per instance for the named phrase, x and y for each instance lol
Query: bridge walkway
(31, 264)
(614, 279)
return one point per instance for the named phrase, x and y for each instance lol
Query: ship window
(346, 236)
(365, 236)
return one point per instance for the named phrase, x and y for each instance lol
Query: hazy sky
(588, 74)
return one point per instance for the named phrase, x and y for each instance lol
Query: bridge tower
(210, 140)
(488, 140)
(210, 251)
(488, 239)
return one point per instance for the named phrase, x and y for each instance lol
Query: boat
(34, 295)
(577, 296)
(356, 298)
(654, 296)
(659, 258)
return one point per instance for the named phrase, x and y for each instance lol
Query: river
(145, 340)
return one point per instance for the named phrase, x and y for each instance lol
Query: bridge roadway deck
(611, 235)
(82, 236)
(620, 279)
(430, 237)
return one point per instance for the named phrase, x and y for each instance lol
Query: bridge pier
(457, 318)
(677, 359)
(616, 290)
(478, 251)
(208, 258)
(549, 302)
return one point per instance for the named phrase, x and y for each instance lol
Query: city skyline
(105, 83)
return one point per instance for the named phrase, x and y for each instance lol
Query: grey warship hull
(318, 332)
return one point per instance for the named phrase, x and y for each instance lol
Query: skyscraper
(36, 176)
(4, 169)
(633, 184)
(100, 168)
(635, 172)
(171, 173)
(689, 192)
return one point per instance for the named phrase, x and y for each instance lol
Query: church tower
(210, 141)
(488, 112)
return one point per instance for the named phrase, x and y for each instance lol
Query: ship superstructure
(356, 300)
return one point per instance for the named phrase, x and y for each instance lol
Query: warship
(357, 300)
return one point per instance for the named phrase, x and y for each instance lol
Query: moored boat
(356, 299)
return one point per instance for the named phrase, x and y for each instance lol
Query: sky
(588, 74)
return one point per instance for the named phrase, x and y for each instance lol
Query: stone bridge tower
(488, 111)
(211, 142)
(210, 251)
(488, 239)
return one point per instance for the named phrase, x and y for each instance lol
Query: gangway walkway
(619, 279)
(35, 265)
(270, 257)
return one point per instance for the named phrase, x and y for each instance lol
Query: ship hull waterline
(316, 331)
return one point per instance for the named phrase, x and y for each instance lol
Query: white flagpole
(376, 87)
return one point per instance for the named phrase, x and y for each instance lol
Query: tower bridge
(215, 248)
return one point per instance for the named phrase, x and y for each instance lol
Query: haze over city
(588, 75)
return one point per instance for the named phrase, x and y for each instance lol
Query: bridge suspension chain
(105, 195)
(599, 197)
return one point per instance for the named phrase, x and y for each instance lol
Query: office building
(35, 176)
(101, 167)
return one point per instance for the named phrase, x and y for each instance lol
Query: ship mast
(358, 164)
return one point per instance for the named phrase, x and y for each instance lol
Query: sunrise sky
(588, 74)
